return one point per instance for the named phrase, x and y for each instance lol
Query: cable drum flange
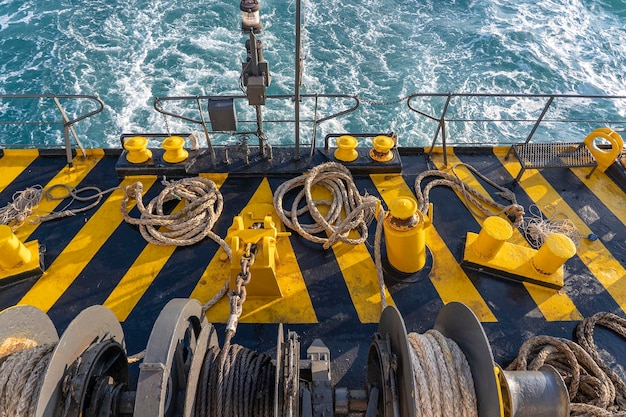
(95, 324)
(164, 372)
(23, 326)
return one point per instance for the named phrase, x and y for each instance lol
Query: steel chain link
(239, 295)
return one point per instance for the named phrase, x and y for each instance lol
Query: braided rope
(360, 211)
(338, 181)
(442, 376)
(21, 377)
(594, 389)
(479, 204)
(191, 224)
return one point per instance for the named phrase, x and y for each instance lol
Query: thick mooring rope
(443, 379)
(359, 211)
(594, 389)
(476, 202)
(21, 378)
(191, 224)
(338, 181)
(235, 381)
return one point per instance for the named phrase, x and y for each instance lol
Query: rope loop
(336, 180)
(479, 204)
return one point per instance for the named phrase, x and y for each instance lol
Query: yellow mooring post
(381, 151)
(346, 149)
(17, 260)
(556, 249)
(492, 236)
(405, 239)
(138, 153)
(174, 150)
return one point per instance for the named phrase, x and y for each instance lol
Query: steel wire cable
(235, 381)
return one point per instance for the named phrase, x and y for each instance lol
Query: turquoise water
(128, 52)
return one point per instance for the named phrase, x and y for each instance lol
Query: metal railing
(201, 103)
(65, 121)
(564, 106)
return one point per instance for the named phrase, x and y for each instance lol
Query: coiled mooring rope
(475, 201)
(191, 224)
(338, 181)
(21, 378)
(443, 379)
(594, 389)
(21, 206)
(359, 211)
(235, 381)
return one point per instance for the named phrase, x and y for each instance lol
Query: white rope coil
(344, 195)
(442, 376)
(540, 224)
(22, 205)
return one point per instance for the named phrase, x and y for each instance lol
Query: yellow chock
(138, 153)
(405, 239)
(346, 149)
(174, 149)
(382, 149)
(604, 157)
(16, 258)
(492, 236)
(261, 232)
(490, 253)
(556, 249)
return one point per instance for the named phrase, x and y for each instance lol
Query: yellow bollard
(495, 232)
(12, 251)
(174, 149)
(382, 149)
(138, 153)
(556, 249)
(346, 149)
(405, 239)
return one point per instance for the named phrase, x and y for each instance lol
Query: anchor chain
(239, 294)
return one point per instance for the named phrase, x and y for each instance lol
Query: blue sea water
(130, 51)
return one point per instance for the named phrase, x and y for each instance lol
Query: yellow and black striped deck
(96, 258)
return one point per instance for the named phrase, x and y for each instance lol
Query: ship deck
(95, 257)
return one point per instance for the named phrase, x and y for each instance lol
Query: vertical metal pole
(298, 80)
(535, 126)
(441, 127)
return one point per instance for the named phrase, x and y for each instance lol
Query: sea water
(128, 52)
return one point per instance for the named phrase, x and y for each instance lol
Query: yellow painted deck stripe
(448, 278)
(68, 176)
(606, 190)
(67, 266)
(13, 163)
(607, 270)
(554, 305)
(294, 306)
(359, 271)
(144, 270)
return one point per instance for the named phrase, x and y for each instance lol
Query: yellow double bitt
(604, 157)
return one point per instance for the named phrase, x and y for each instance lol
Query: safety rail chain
(65, 120)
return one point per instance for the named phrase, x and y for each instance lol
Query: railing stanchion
(206, 133)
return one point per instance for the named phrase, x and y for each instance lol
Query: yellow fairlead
(405, 239)
(174, 149)
(138, 153)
